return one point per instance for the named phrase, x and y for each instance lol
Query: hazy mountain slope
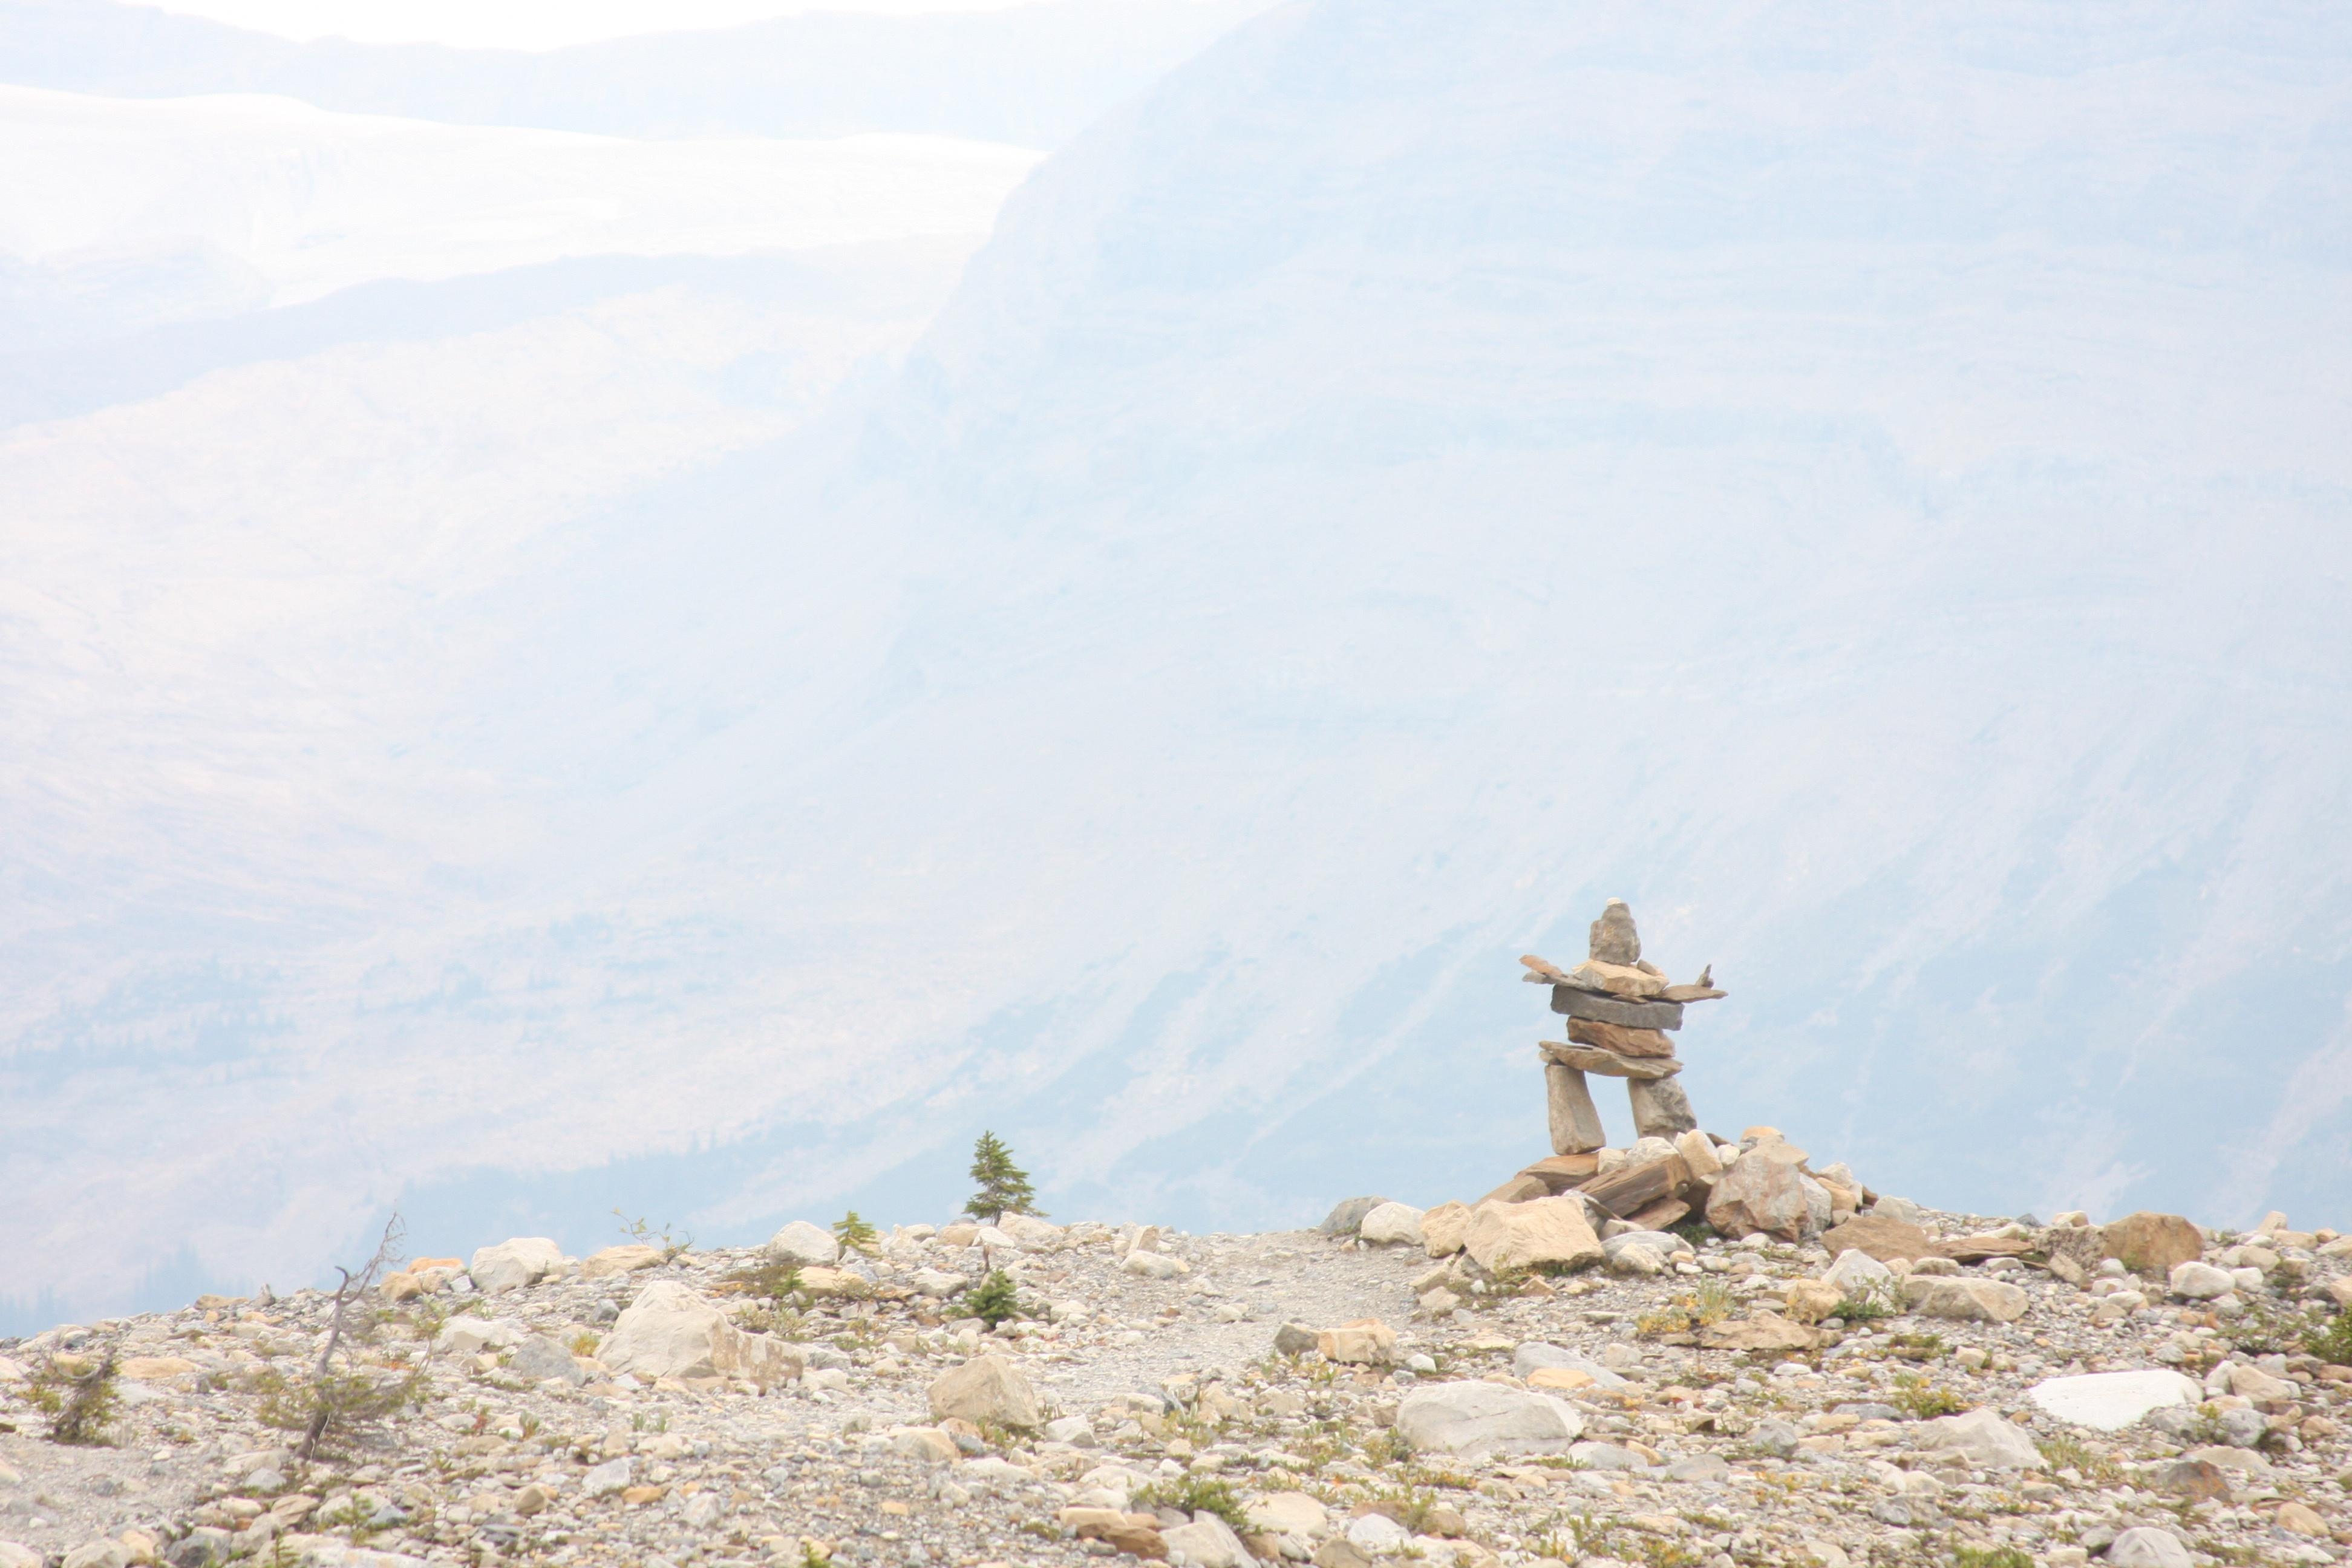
(1867, 488)
(1032, 74)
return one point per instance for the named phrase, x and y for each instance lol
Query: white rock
(1902, 1209)
(1481, 1418)
(1859, 1274)
(670, 1331)
(470, 1335)
(2200, 1281)
(100, 1553)
(1207, 1543)
(1985, 1441)
(512, 1265)
(1153, 1265)
(1664, 1243)
(939, 1282)
(1290, 1513)
(1648, 1151)
(1391, 1225)
(995, 1235)
(2111, 1401)
(2145, 1546)
(803, 1242)
(1636, 1259)
(17, 1554)
(1377, 1535)
(828, 1379)
(990, 1389)
(2253, 1382)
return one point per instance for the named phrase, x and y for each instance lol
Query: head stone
(1615, 940)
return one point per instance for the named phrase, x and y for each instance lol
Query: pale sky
(526, 24)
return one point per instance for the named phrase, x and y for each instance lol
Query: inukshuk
(1620, 1011)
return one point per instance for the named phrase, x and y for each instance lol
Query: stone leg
(1661, 1108)
(1575, 1119)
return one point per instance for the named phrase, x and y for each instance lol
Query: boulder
(2253, 1383)
(989, 1389)
(1967, 1300)
(512, 1265)
(1377, 1535)
(1540, 1232)
(2111, 1401)
(1030, 1233)
(1901, 1210)
(804, 1243)
(540, 1357)
(1575, 1120)
(1153, 1265)
(612, 1476)
(1859, 1277)
(100, 1553)
(1443, 1228)
(2200, 1281)
(938, 1283)
(1812, 1300)
(469, 1335)
(622, 1260)
(1207, 1543)
(1293, 1339)
(1699, 1157)
(1984, 1440)
(1758, 1196)
(2152, 1244)
(1344, 1219)
(1476, 1419)
(2145, 1546)
(926, 1444)
(1366, 1342)
(670, 1331)
(1661, 1108)
(1391, 1225)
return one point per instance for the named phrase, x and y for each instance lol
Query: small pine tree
(991, 1300)
(1004, 1185)
(855, 1234)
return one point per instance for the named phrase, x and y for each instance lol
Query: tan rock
(1608, 1064)
(1699, 1157)
(1366, 1342)
(2297, 1519)
(1876, 1235)
(1562, 1172)
(1443, 1228)
(400, 1287)
(1518, 1190)
(152, 1368)
(1766, 1333)
(1778, 1148)
(989, 1389)
(622, 1260)
(1617, 980)
(1810, 1301)
(1575, 1119)
(1757, 1196)
(1540, 1232)
(820, 1282)
(1560, 1377)
(1616, 1037)
(2153, 1243)
(1291, 1514)
(928, 1444)
(2340, 1291)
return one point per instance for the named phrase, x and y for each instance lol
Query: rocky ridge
(1884, 1384)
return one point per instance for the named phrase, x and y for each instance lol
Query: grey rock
(1664, 1243)
(1535, 1354)
(2143, 1546)
(1613, 937)
(2243, 1428)
(1860, 1275)
(1606, 1456)
(1294, 1338)
(1377, 1535)
(1390, 1225)
(1480, 1418)
(1817, 1205)
(611, 1477)
(703, 1511)
(1344, 1219)
(1905, 1513)
(1574, 1003)
(540, 1356)
(1207, 1543)
(1698, 1467)
(1075, 1430)
(938, 1283)
(1895, 1208)
(1983, 1439)
(1777, 1438)
(1866, 1411)
(1661, 1108)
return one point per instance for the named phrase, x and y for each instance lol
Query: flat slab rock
(2111, 1401)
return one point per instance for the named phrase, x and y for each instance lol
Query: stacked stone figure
(1620, 1011)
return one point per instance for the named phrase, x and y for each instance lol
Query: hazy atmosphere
(594, 615)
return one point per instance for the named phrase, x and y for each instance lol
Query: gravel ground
(1179, 1387)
